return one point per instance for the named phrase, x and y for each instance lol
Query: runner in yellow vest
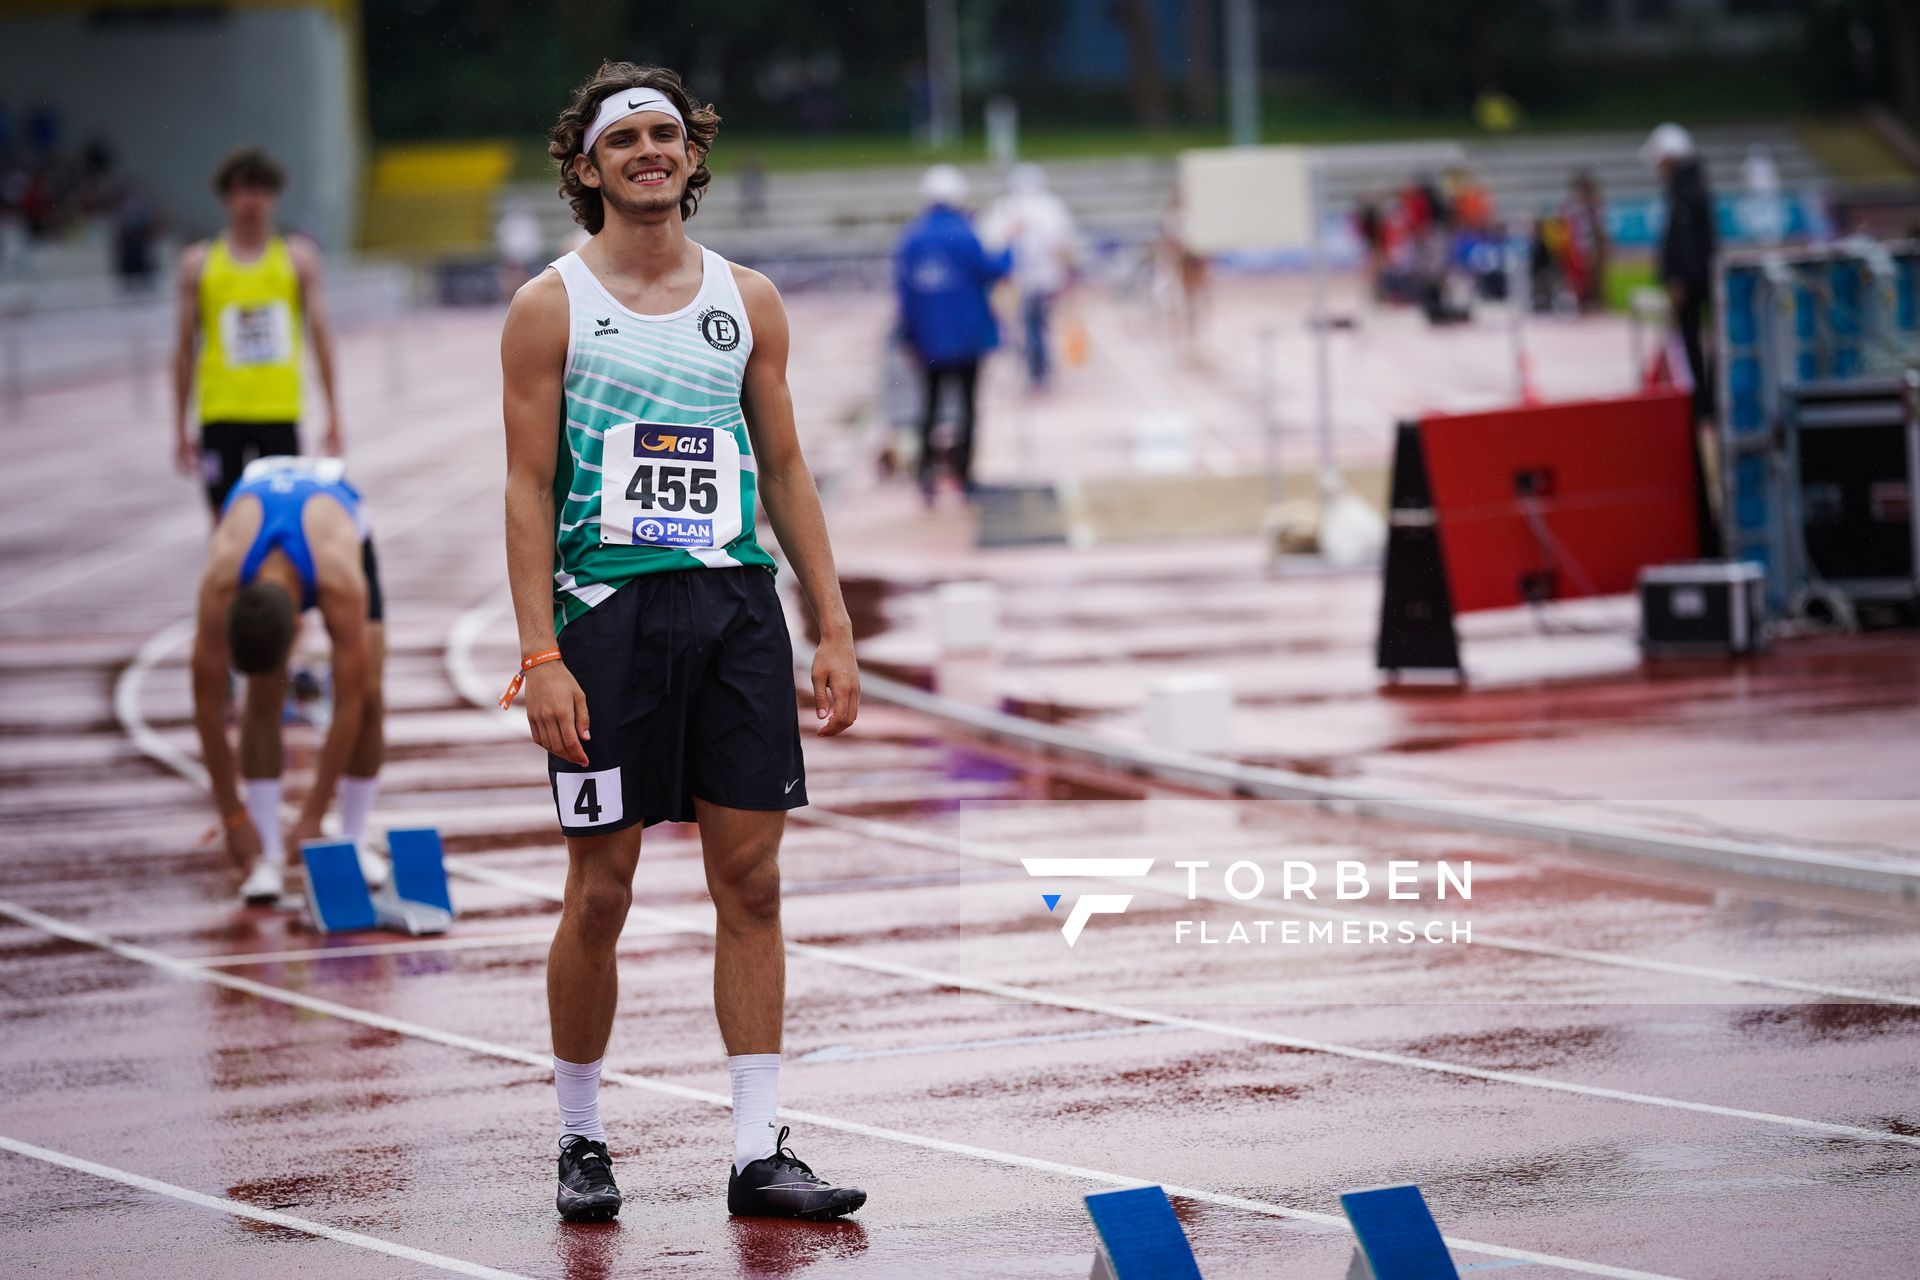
(243, 295)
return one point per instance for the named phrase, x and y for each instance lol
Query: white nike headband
(618, 106)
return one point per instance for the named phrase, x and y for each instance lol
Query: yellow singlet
(249, 368)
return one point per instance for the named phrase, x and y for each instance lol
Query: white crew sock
(756, 1096)
(262, 796)
(356, 802)
(577, 1085)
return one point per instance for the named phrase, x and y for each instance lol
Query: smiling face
(640, 166)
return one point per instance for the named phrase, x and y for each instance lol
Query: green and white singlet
(655, 472)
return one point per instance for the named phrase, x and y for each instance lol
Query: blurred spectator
(1035, 225)
(518, 240)
(941, 277)
(1586, 221)
(1686, 246)
(1763, 210)
(1187, 268)
(135, 229)
(1471, 203)
(751, 182)
(1370, 225)
(1686, 270)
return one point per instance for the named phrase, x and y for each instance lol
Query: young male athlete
(293, 536)
(646, 412)
(242, 298)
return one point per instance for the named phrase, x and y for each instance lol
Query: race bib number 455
(666, 486)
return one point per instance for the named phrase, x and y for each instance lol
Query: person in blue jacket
(942, 275)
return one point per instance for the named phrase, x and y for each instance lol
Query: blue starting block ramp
(415, 899)
(1399, 1239)
(1140, 1238)
(419, 867)
(337, 897)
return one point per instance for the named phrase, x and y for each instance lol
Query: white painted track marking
(470, 1044)
(472, 623)
(1032, 995)
(241, 1209)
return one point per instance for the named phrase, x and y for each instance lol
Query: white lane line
(1035, 996)
(241, 1209)
(899, 833)
(543, 1062)
(422, 946)
(359, 950)
(470, 625)
(847, 1053)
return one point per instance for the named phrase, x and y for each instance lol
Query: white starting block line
(414, 900)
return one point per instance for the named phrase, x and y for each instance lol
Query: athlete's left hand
(333, 444)
(836, 686)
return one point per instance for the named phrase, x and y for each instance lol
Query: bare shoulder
(193, 259)
(304, 251)
(539, 303)
(755, 289)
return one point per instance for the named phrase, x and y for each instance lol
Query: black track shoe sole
(575, 1207)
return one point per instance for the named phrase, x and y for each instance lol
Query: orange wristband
(520, 677)
(235, 820)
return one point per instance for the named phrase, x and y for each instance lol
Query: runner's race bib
(663, 486)
(258, 334)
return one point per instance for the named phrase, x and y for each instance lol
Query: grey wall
(172, 93)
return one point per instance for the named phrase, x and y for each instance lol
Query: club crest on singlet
(721, 330)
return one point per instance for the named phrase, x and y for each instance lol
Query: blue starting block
(1140, 1239)
(1399, 1239)
(337, 897)
(414, 900)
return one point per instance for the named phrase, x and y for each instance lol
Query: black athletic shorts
(227, 447)
(689, 684)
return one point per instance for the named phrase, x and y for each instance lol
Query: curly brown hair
(703, 122)
(249, 167)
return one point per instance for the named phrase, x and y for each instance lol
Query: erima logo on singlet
(603, 330)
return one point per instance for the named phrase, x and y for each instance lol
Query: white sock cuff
(753, 1061)
(262, 798)
(577, 1070)
(356, 803)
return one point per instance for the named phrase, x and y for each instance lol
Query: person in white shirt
(1036, 224)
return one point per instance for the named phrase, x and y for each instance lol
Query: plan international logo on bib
(1245, 881)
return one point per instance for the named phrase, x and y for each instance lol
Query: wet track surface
(1630, 1070)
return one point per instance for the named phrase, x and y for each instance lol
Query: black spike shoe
(587, 1191)
(782, 1186)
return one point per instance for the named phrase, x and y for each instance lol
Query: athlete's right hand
(243, 846)
(557, 712)
(185, 455)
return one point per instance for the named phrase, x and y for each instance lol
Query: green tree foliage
(1435, 56)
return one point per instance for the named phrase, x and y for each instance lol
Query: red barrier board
(1556, 501)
